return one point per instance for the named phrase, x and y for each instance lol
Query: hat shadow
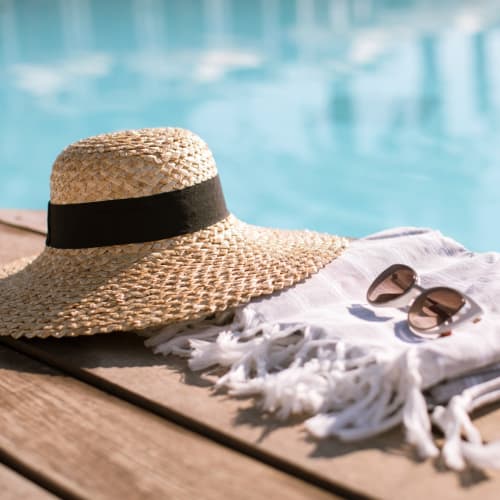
(117, 349)
(76, 355)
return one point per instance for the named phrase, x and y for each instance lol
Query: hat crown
(130, 164)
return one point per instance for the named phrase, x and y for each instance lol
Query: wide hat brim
(138, 286)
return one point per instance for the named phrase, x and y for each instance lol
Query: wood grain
(93, 445)
(378, 467)
(13, 486)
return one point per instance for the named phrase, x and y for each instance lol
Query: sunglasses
(432, 311)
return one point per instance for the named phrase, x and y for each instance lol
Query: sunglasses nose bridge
(407, 299)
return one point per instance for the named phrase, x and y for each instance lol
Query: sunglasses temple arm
(407, 298)
(476, 311)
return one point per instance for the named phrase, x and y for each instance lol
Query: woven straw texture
(145, 285)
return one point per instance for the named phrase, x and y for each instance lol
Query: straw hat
(139, 237)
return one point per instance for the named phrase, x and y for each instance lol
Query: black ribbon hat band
(136, 220)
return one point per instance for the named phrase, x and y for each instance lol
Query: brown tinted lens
(434, 307)
(391, 284)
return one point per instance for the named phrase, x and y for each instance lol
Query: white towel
(318, 349)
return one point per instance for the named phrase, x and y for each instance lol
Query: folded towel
(442, 393)
(319, 349)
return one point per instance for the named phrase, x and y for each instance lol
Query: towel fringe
(353, 391)
(456, 424)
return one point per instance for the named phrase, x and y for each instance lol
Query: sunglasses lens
(435, 307)
(391, 284)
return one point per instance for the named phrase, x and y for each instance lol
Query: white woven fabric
(319, 348)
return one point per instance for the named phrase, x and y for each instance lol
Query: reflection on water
(345, 116)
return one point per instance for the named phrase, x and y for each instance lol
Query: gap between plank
(22, 227)
(36, 478)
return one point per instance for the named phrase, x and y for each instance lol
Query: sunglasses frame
(471, 311)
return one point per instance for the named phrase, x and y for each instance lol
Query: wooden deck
(102, 417)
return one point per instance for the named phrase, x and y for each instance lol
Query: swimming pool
(343, 116)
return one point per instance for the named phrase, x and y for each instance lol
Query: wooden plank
(13, 486)
(121, 364)
(35, 220)
(93, 445)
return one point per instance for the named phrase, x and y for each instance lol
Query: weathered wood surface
(119, 362)
(379, 467)
(93, 445)
(14, 486)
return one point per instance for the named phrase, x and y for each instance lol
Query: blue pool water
(344, 116)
